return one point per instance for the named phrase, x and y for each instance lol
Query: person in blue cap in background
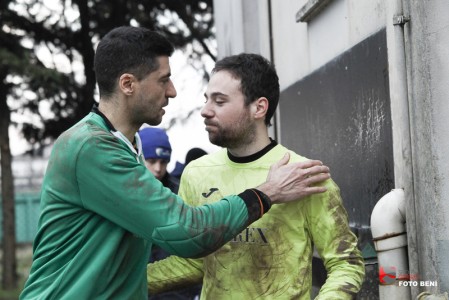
(157, 153)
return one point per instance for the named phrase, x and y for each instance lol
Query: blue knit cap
(155, 143)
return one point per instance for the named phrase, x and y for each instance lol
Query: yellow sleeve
(173, 273)
(336, 245)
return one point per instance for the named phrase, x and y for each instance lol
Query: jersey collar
(135, 146)
(252, 157)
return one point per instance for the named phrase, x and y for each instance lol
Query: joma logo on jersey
(211, 191)
(252, 235)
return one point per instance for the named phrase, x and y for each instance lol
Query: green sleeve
(114, 184)
(336, 245)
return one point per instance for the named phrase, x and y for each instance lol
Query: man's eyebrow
(166, 75)
(215, 95)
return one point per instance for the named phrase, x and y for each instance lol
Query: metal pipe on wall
(390, 241)
(402, 150)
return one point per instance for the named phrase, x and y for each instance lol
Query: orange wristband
(260, 202)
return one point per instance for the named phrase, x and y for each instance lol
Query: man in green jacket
(101, 209)
(271, 258)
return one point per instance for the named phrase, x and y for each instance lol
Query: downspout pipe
(389, 232)
(275, 130)
(396, 20)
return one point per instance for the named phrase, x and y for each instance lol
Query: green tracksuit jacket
(270, 259)
(101, 210)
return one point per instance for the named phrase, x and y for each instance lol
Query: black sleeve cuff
(256, 202)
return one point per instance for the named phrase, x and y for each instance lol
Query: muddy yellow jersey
(272, 258)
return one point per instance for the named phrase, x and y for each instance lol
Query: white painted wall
(229, 23)
(290, 45)
(243, 27)
(300, 48)
(328, 34)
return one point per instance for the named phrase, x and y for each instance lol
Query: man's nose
(206, 111)
(171, 90)
(158, 167)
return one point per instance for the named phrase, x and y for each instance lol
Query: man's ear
(260, 108)
(126, 83)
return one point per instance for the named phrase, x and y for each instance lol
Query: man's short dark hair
(258, 78)
(128, 49)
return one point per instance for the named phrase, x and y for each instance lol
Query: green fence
(27, 215)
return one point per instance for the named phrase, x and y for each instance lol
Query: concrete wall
(427, 41)
(243, 27)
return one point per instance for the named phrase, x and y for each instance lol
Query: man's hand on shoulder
(289, 182)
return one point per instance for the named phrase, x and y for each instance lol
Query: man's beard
(241, 134)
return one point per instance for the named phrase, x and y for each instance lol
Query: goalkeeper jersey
(101, 212)
(270, 259)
